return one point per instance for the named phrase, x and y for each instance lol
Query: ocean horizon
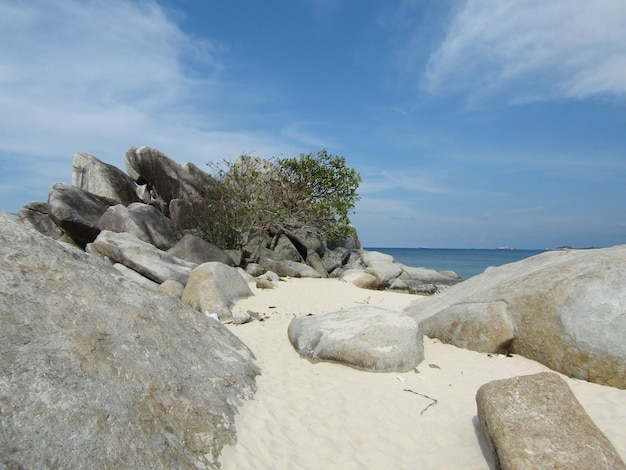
(466, 262)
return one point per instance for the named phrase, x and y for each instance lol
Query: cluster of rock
(564, 309)
(96, 371)
(161, 203)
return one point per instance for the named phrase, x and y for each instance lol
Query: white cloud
(532, 49)
(406, 180)
(101, 76)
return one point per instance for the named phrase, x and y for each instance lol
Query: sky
(473, 123)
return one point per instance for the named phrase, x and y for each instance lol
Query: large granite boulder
(145, 222)
(77, 212)
(535, 421)
(168, 179)
(196, 250)
(97, 372)
(367, 338)
(94, 176)
(214, 288)
(564, 309)
(142, 257)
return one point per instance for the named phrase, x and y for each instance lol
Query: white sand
(329, 416)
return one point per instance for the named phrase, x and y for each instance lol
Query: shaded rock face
(168, 179)
(37, 215)
(77, 212)
(565, 309)
(98, 372)
(367, 338)
(94, 176)
(141, 220)
(535, 421)
(196, 250)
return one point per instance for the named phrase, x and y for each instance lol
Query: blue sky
(474, 123)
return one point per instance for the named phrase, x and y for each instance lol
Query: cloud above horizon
(529, 50)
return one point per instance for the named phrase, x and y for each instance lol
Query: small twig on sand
(434, 402)
(366, 301)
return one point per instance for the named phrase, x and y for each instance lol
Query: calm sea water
(466, 263)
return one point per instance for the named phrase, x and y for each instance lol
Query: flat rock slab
(366, 338)
(535, 421)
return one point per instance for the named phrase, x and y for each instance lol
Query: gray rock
(143, 221)
(315, 261)
(535, 422)
(566, 309)
(168, 179)
(367, 338)
(308, 240)
(173, 288)
(196, 250)
(335, 259)
(364, 280)
(214, 287)
(136, 277)
(77, 212)
(427, 281)
(282, 268)
(97, 372)
(37, 215)
(142, 257)
(94, 176)
(304, 270)
(285, 250)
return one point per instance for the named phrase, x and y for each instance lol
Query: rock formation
(96, 371)
(565, 309)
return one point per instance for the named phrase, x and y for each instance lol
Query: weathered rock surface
(367, 338)
(97, 372)
(94, 176)
(37, 215)
(196, 250)
(145, 222)
(565, 309)
(77, 212)
(168, 179)
(214, 287)
(535, 421)
(142, 257)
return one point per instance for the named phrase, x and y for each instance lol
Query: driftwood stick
(434, 402)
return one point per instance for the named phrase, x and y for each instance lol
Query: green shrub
(257, 197)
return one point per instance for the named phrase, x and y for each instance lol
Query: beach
(326, 415)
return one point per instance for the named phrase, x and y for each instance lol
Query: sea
(465, 262)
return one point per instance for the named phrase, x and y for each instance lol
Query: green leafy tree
(257, 197)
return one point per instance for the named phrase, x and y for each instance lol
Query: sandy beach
(330, 416)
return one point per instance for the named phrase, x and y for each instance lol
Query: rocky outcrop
(214, 288)
(565, 309)
(195, 250)
(367, 338)
(160, 201)
(77, 212)
(142, 257)
(97, 372)
(535, 422)
(141, 220)
(167, 179)
(96, 177)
